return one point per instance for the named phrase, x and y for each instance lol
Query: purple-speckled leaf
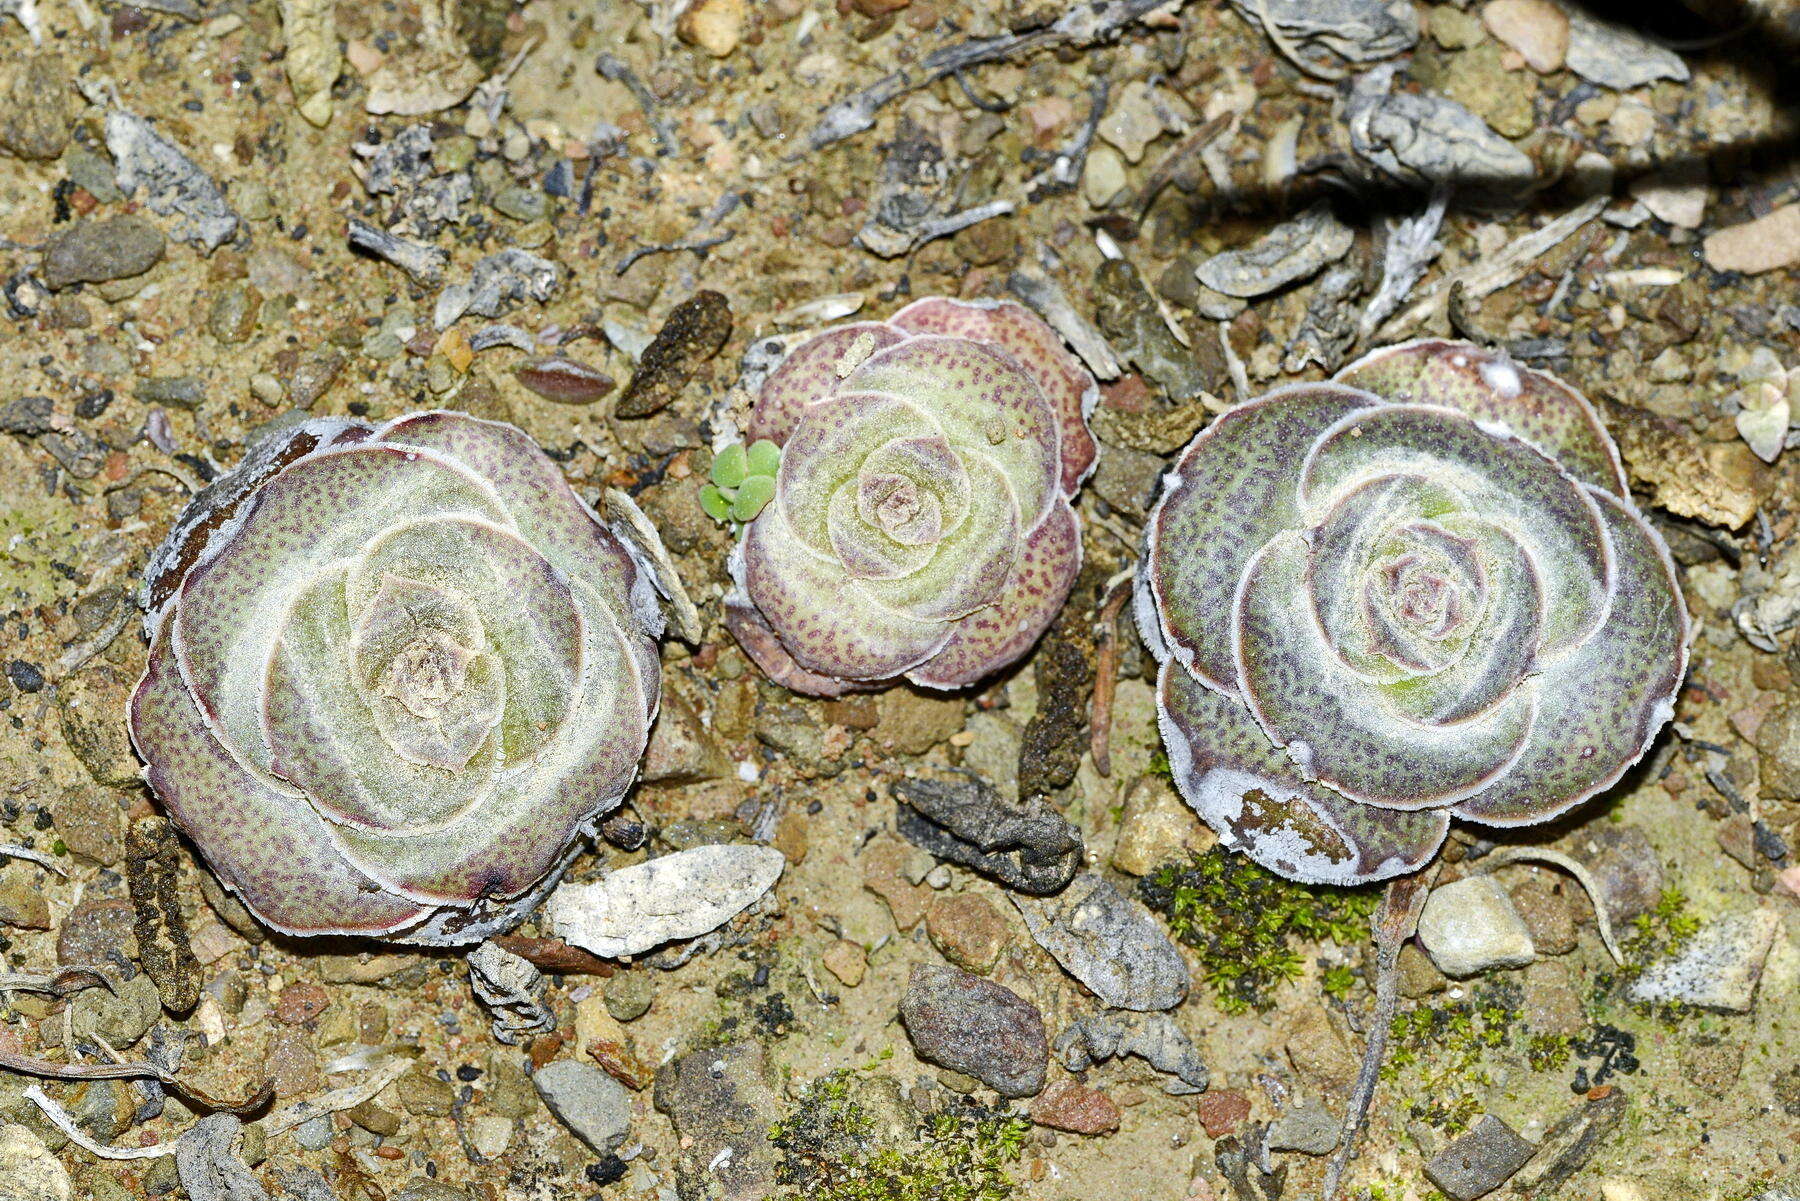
(990, 638)
(1261, 805)
(1601, 707)
(1339, 730)
(1234, 488)
(1503, 479)
(1489, 386)
(403, 677)
(823, 618)
(265, 842)
(983, 404)
(811, 372)
(1066, 384)
(501, 846)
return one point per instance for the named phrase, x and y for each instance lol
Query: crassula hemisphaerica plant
(394, 673)
(1420, 591)
(921, 525)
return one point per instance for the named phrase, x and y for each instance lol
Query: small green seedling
(743, 481)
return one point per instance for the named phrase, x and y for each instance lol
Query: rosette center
(1425, 589)
(428, 671)
(899, 508)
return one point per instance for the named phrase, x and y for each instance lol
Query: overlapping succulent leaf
(921, 524)
(1420, 591)
(394, 672)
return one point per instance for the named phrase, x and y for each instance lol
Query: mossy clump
(1660, 933)
(1442, 1048)
(841, 1142)
(1243, 920)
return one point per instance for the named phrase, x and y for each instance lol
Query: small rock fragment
(1306, 1127)
(30, 1171)
(628, 995)
(1419, 137)
(93, 252)
(91, 824)
(422, 262)
(313, 59)
(1545, 912)
(34, 110)
(1470, 926)
(1537, 29)
(564, 380)
(682, 749)
(172, 185)
(1157, 826)
(716, 26)
(1152, 1037)
(1069, 1105)
(693, 333)
(1292, 251)
(1616, 56)
(847, 961)
(1718, 969)
(968, 930)
(910, 722)
(1357, 31)
(1624, 864)
(595, 1107)
(497, 283)
(1110, 943)
(1676, 195)
(977, 1027)
(1319, 1051)
(1222, 1111)
(1480, 1161)
(22, 902)
(1766, 244)
(1570, 1143)
(1026, 846)
(683, 895)
(722, 1102)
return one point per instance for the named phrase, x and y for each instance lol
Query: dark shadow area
(1731, 32)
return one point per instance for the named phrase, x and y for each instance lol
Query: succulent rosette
(921, 525)
(1420, 591)
(394, 673)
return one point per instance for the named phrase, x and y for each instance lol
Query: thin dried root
(1106, 669)
(1399, 916)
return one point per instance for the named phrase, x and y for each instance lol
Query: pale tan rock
(846, 960)
(716, 26)
(1155, 827)
(1765, 244)
(1678, 197)
(1537, 29)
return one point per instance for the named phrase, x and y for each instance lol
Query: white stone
(1537, 29)
(1719, 968)
(1678, 197)
(491, 1134)
(1470, 926)
(683, 895)
(1104, 176)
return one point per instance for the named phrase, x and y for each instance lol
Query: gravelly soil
(156, 382)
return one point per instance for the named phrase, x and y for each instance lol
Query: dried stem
(1106, 669)
(1399, 916)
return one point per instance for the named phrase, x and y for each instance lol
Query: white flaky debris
(678, 896)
